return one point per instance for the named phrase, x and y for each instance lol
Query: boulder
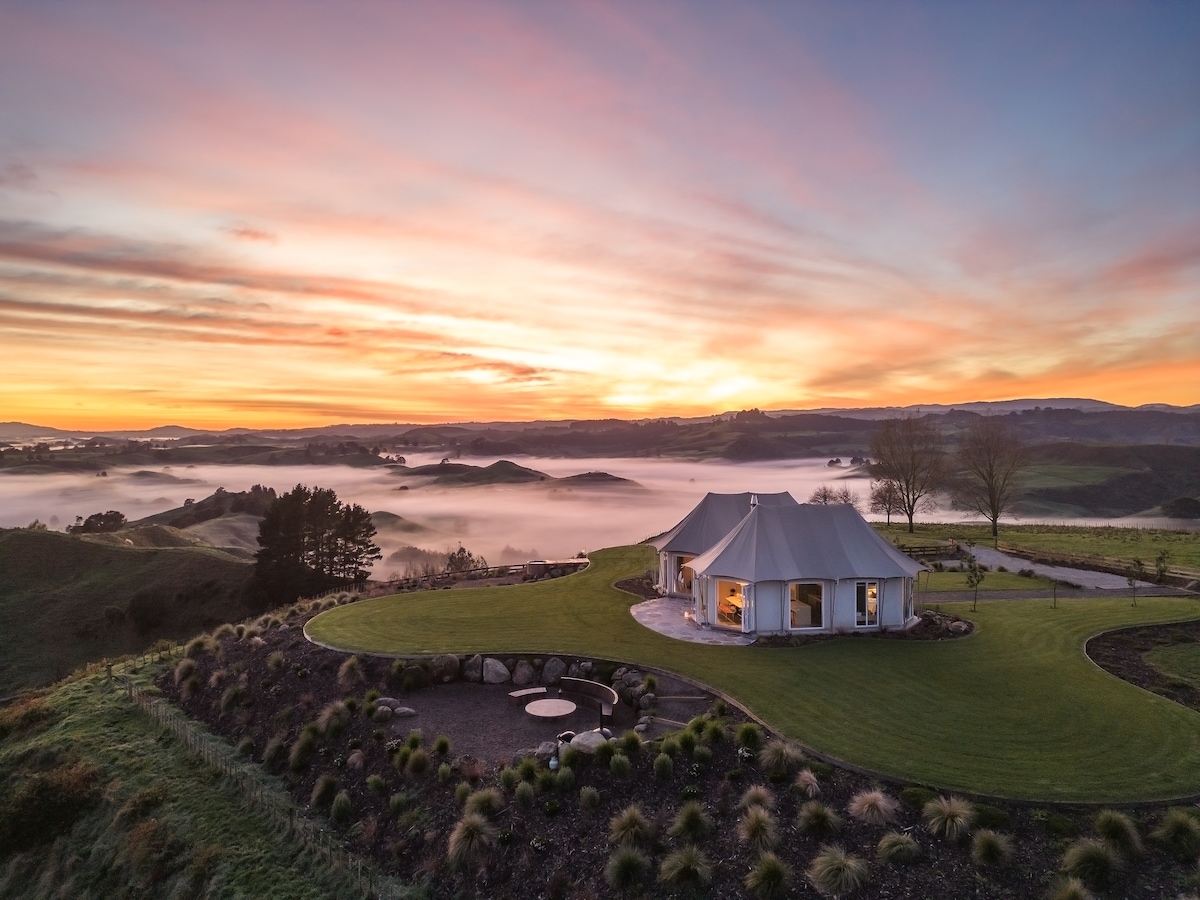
(390, 702)
(494, 672)
(646, 701)
(444, 669)
(524, 674)
(545, 750)
(404, 712)
(619, 674)
(586, 668)
(553, 670)
(472, 669)
(355, 759)
(588, 741)
(632, 679)
(640, 728)
(959, 627)
(574, 671)
(414, 677)
(382, 714)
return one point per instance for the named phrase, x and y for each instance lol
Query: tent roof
(787, 543)
(712, 519)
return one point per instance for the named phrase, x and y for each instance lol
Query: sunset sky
(286, 214)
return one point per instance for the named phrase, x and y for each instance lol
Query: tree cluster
(98, 522)
(310, 541)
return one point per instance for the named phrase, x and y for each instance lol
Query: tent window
(730, 600)
(805, 602)
(867, 603)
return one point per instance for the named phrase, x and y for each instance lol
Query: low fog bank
(546, 520)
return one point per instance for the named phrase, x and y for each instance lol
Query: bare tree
(885, 499)
(990, 456)
(908, 453)
(826, 495)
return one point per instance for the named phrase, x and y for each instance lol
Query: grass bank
(1016, 710)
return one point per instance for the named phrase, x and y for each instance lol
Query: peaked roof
(712, 519)
(786, 543)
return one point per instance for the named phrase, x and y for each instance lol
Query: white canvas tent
(713, 518)
(803, 568)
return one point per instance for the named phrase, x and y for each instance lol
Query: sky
(291, 214)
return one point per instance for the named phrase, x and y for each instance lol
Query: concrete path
(1085, 578)
(668, 615)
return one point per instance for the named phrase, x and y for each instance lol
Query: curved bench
(590, 693)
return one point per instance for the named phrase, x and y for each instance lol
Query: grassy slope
(218, 848)
(54, 589)
(1181, 661)
(1016, 710)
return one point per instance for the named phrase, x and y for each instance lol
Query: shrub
(873, 808)
(527, 768)
(45, 805)
(948, 817)
(629, 826)
(990, 848)
(273, 752)
(664, 767)
(630, 743)
(232, 696)
(714, 733)
(1069, 889)
(418, 762)
(333, 718)
(605, 752)
(817, 818)
(691, 822)
(697, 725)
(198, 646)
(780, 756)
(545, 781)
(444, 772)
(1092, 862)
(626, 868)
(757, 795)
(551, 807)
(442, 745)
(670, 746)
(564, 781)
(221, 632)
(376, 784)
(323, 792)
(748, 735)
(1119, 831)
(190, 688)
(471, 837)
(485, 802)
(768, 877)
(834, 871)
(401, 757)
(341, 809)
(1179, 834)
(525, 794)
(415, 739)
(184, 670)
(301, 750)
(589, 797)
(620, 765)
(651, 684)
(509, 778)
(686, 866)
(572, 757)
(350, 672)
(686, 741)
(807, 784)
(897, 848)
(757, 829)
(462, 791)
(275, 661)
(702, 756)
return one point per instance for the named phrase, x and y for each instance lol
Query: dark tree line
(310, 541)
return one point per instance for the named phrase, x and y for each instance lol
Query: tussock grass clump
(472, 836)
(817, 818)
(808, 784)
(350, 672)
(769, 877)
(273, 753)
(190, 688)
(418, 762)
(184, 670)
(198, 646)
(1119, 831)
(948, 817)
(780, 757)
(757, 830)
(301, 750)
(873, 808)
(897, 849)
(749, 736)
(687, 866)
(1069, 889)
(620, 765)
(222, 632)
(324, 790)
(702, 755)
(686, 741)
(334, 717)
(525, 794)
(629, 826)
(626, 868)
(834, 871)
(990, 848)
(1093, 862)
(527, 768)
(691, 823)
(714, 733)
(664, 767)
(564, 781)
(1178, 834)
(441, 746)
(376, 784)
(415, 738)
(233, 696)
(275, 661)
(757, 795)
(485, 802)
(630, 743)
(444, 772)
(589, 797)
(604, 753)
(509, 778)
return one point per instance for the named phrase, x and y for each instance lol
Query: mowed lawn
(1016, 710)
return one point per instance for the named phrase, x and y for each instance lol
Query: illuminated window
(805, 601)
(867, 603)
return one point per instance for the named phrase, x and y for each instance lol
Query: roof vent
(753, 500)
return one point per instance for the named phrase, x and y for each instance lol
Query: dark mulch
(553, 848)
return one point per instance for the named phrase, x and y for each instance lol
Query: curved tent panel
(712, 519)
(788, 543)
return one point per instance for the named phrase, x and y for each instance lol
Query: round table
(550, 708)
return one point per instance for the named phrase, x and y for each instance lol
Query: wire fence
(358, 877)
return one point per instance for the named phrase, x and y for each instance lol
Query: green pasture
(1178, 660)
(935, 582)
(1098, 542)
(1015, 710)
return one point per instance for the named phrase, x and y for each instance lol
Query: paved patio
(672, 616)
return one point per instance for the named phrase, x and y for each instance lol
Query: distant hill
(1110, 480)
(66, 600)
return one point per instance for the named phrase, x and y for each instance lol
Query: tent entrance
(731, 604)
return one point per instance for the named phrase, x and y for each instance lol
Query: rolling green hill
(67, 600)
